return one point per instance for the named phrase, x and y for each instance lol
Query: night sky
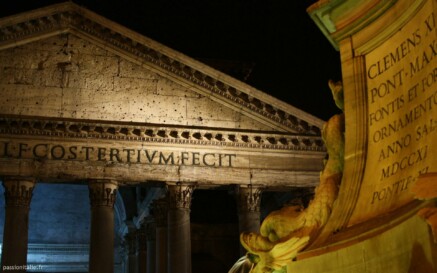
(289, 56)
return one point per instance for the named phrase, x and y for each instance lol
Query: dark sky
(292, 59)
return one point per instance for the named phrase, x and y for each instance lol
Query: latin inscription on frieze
(111, 154)
(402, 115)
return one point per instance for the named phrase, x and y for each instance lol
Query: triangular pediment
(65, 76)
(94, 69)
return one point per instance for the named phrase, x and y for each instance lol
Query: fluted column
(159, 211)
(179, 234)
(248, 205)
(102, 197)
(18, 194)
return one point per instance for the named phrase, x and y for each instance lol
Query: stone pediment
(94, 68)
(85, 98)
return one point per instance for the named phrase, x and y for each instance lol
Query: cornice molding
(159, 134)
(70, 18)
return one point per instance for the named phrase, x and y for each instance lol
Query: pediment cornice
(70, 18)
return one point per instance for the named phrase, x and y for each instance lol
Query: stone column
(179, 233)
(131, 244)
(142, 249)
(248, 205)
(159, 211)
(102, 197)
(18, 194)
(150, 228)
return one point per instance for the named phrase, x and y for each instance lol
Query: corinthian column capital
(18, 191)
(180, 195)
(249, 198)
(102, 193)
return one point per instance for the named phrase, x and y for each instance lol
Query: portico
(116, 110)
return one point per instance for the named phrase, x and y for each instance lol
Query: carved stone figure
(287, 231)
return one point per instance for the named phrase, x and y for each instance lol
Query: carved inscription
(402, 114)
(50, 151)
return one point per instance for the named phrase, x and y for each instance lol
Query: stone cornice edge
(160, 134)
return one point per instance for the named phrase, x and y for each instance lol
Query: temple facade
(106, 136)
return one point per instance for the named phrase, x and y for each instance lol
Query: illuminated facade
(90, 108)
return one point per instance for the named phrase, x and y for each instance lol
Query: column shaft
(179, 241)
(142, 250)
(160, 211)
(102, 197)
(18, 194)
(142, 261)
(151, 246)
(249, 221)
(179, 233)
(161, 249)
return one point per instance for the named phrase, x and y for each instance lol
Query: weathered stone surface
(66, 76)
(88, 99)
